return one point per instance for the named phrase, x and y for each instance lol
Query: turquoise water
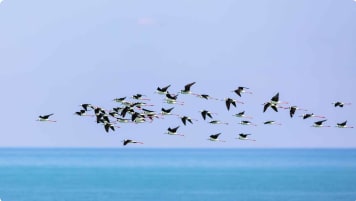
(177, 174)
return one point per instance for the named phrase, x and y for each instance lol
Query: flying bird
(230, 101)
(340, 104)
(86, 106)
(205, 113)
(309, 115)
(242, 115)
(343, 125)
(243, 136)
(45, 118)
(162, 90)
(205, 96)
(82, 113)
(271, 123)
(185, 119)
(292, 110)
(319, 124)
(241, 90)
(215, 137)
(247, 123)
(139, 97)
(173, 131)
(186, 89)
(127, 141)
(218, 122)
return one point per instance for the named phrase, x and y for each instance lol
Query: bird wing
(275, 97)
(184, 120)
(292, 111)
(227, 103)
(266, 106)
(274, 108)
(187, 87)
(164, 89)
(203, 114)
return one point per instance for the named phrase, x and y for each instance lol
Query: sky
(56, 55)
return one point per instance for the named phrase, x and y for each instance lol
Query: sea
(155, 174)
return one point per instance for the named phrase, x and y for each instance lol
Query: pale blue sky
(56, 55)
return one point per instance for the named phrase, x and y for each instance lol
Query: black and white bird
(172, 99)
(205, 96)
(86, 106)
(173, 131)
(82, 113)
(242, 115)
(293, 109)
(343, 125)
(140, 97)
(163, 90)
(340, 104)
(186, 118)
(230, 101)
(127, 141)
(45, 118)
(215, 138)
(241, 90)
(319, 124)
(273, 103)
(205, 113)
(272, 123)
(186, 89)
(119, 100)
(247, 123)
(244, 136)
(108, 126)
(218, 122)
(309, 115)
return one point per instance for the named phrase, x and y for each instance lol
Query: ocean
(39, 174)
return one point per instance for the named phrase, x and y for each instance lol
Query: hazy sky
(56, 55)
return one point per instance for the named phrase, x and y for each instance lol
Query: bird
(215, 137)
(185, 119)
(243, 136)
(82, 113)
(205, 96)
(273, 103)
(163, 90)
(230, 101)
(186, 89)
(45, 118)
(167, 111)
(340, 104)
(172, 99)
(205, 113)
(240, 90)
(242, 114)
(127, 141)
(343, 125)
(319, 124)
(218, 122)
(268, 104)
(271, 122)
(173, 131)
(122, 120)
(139, 97)
(292, 110)
(119, 100)
(86, 105)
(247, 123)
(108, 125)
(308, 115)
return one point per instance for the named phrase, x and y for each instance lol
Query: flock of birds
(136, 112)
